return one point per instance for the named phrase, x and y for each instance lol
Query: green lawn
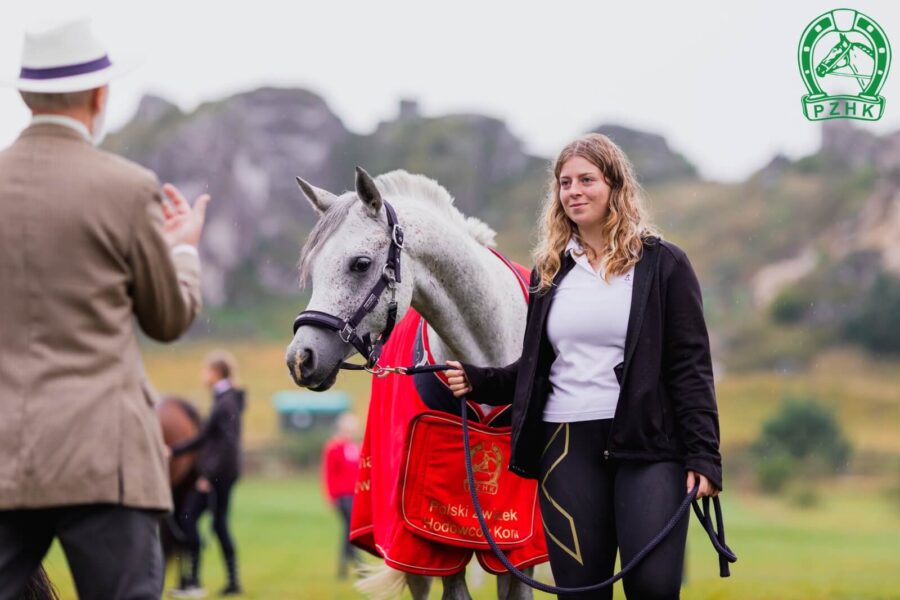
(848, 547)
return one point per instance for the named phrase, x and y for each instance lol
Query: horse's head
(343, 258)
(836, 57)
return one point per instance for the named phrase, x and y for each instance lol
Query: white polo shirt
(586, 326)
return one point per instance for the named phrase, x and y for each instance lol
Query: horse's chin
(326, 383)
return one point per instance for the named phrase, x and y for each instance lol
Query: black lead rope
(718, 539)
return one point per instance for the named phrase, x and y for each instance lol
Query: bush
(893, 490)
(877, 324)
(774, 472)
(790, 306)
(802, 440)
(806, 496)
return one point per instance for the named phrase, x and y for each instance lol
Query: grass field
(845, 547)
(864, 392)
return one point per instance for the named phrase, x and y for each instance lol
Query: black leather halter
(346, 329)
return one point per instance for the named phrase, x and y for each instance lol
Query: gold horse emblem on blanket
(487, 461)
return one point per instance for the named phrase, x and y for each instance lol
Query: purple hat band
(66, 71)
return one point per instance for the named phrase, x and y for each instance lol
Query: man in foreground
(87, 244)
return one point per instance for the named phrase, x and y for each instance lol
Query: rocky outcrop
(847, 154)
(848, 146)
(245, 151)
(653, 159)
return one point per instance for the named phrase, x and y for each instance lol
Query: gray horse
(471, 301)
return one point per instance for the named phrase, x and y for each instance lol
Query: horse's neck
(472, 301)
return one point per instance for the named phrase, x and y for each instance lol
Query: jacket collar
(644, 272)
(65, 121)
(565, 266)
(221, 386)
(54, 130)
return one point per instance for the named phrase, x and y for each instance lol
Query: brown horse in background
(179, 421)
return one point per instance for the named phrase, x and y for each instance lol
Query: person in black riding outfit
(614, 407)
(219, 445)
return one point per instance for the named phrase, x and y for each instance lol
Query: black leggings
(591, 507)
(344, 505)
(194, 506)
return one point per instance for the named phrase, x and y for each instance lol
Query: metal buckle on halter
(397, 235)
(346, 333)
(391, 277)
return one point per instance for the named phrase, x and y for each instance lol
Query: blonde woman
(614, 409)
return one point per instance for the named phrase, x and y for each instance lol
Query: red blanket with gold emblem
(411, 503)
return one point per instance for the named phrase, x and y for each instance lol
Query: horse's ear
(320, 199)
(368, 191)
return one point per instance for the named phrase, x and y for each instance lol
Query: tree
(803, 438)
(877, 324)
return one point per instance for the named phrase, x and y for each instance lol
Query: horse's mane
(400, 184)
(397, 186)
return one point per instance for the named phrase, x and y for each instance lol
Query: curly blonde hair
(627, 223)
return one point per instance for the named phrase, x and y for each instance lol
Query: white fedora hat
(65, 57)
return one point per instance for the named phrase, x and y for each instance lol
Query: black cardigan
(667, 403)
(219, 439)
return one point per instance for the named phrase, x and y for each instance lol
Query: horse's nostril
(306, 361)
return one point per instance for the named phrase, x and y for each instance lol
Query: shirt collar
(573, 245)
(222, 385)
(576, 251)
(65, 122)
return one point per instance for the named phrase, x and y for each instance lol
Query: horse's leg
(455, 587)
(419, 586)
(510, 588)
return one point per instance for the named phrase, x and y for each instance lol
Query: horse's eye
(360, 264)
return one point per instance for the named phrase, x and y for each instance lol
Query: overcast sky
(718, 79)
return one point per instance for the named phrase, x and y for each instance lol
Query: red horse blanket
(411, 504)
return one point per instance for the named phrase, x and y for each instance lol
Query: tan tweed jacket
(81, 255)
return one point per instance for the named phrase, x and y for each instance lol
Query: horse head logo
(487, 464)
(844, 58)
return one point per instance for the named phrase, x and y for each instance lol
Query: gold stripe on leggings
(576, 553)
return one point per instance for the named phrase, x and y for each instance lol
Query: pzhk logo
(844, 59)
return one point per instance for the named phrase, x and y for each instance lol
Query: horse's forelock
(323, 229)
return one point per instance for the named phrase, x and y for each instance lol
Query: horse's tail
(380, 582)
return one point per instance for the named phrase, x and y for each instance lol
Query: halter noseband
(346, 330)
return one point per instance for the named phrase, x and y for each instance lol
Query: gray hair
(59, 101)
